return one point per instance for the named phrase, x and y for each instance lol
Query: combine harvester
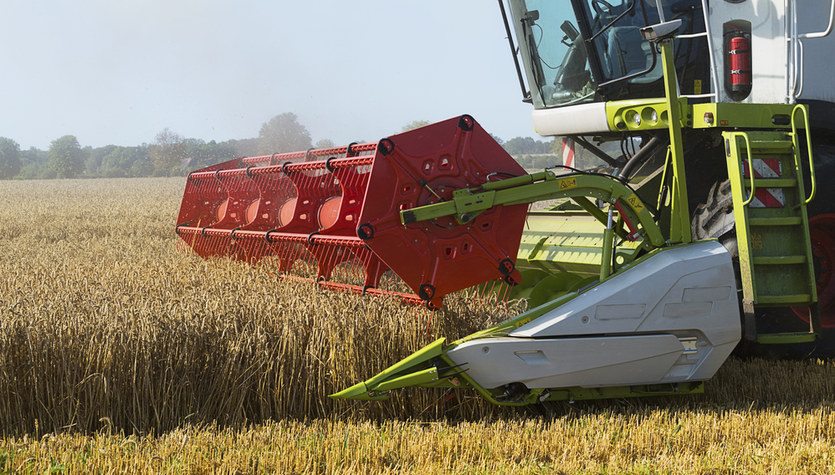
(711, 222)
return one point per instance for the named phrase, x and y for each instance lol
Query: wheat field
(120, 353)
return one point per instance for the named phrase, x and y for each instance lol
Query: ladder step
(794, 299)
(772, 183)
(780, 260)
(784, 221)
(772, 144)
(784, 338)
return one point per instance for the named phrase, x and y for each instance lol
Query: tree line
(170, 154)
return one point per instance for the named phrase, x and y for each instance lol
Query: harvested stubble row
(103, 324)
(643, 441)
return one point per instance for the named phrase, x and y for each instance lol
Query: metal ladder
(772, 227)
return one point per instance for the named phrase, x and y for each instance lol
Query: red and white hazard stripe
(568, 152)
(766, 197)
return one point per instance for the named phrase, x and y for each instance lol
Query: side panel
(671, 318)
(570, 120)
(560, 363)
(769, 51)
(691, 287)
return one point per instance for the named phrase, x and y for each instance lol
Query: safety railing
(794, 86)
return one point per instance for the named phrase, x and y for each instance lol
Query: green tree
(209, 153)
(415, 124)
(520, 145)
(66, 158)
(324, 143)
(93, 163)
(167, 152)
(283, 133)
(9, 158)
(35, 164)
(244, 147)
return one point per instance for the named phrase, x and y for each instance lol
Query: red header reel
(338, 211)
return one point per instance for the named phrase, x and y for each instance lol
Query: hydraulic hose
(639, 157)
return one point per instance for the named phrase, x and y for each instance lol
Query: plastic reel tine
(249, 248)
(200, 244)
(504, 293)
(225, 246)
(351, 269)
(218, 243)
(348, 266)
(358, 272)
(252, 249)
(267, 250)
(331, 260)
(275, 250)
(305, 185)
(182, 246)
(326, 262)
(283, 251)
(208, 246)
(264, 250)
(285, 188)
(342, 265)
(296, 256)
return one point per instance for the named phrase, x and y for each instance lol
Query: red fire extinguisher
(739, 62)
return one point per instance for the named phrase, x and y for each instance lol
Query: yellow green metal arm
(466, 204)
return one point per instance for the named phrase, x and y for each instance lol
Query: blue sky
(118, 72)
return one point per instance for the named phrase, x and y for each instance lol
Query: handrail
(796, 48)
(691, 35)
(792, 40)
(828, 30)
(808, 148)
(750, 164)
(801, 66)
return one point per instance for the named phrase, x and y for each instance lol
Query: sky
(119, 72)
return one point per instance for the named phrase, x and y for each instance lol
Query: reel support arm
(468, 203)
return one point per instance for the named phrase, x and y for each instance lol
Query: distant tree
(283, 133)
(34, 156)
(126, 162)
(66, 158)
(167, 152)
(527, 145)
(497, 139)
(520, 145)
(324, 143)
(245, 147)
(92, 164)
(29, 171)
(415, 124)
(34, 164)
(556, 146)
(209, 153)
(142, 166)
(9, 158)
(543, 161)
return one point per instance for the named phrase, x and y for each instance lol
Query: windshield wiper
(609, 25)
(528, 20)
